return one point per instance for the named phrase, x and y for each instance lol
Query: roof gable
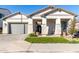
(14, 16)
(41, 11)
(11, 15)
(49, 10)
(59, 11)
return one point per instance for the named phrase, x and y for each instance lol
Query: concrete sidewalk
(25, 47)
(14, 46)
(54, 48)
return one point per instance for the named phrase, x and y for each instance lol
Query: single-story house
(54, 21)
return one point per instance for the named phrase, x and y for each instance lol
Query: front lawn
(49, 40)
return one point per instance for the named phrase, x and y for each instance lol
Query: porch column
(44, 27)
(58, 27)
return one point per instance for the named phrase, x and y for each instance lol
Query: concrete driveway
(12, 36)
(13, 43)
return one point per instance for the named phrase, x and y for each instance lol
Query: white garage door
(18, 28)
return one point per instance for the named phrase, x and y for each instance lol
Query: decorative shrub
(32, 35)
(72, 27)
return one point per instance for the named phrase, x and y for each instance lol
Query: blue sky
(28, 9)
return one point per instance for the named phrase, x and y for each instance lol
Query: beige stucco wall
(5, 27)
(30, 25)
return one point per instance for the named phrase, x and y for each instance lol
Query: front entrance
(37, 26)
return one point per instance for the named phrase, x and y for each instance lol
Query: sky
(28, 9)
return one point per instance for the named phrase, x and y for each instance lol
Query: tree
(72, 27)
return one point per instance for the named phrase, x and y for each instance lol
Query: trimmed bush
(32, 35)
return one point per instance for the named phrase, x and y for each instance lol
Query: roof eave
(68, 12)
(10, 15)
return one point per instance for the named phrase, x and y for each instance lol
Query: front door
(38, 27)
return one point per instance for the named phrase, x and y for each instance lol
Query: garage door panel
(17, 28)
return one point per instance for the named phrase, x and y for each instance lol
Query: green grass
(49, 40)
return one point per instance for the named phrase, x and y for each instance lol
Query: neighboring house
(53, 20)
(3, 12)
